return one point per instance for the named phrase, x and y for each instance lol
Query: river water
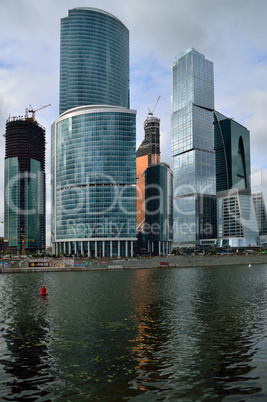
(193, 334)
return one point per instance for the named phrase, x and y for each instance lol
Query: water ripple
(149, 335)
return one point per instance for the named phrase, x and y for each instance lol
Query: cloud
(232, 34)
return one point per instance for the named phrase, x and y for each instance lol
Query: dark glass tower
(159, 208)
(237, 221)
(232, 149)
(25, 184)
(94, 60)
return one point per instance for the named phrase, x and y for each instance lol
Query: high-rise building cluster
(213, 204)
(107, 199)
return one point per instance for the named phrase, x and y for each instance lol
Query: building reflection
(149, 346)
(26, 332)
(190, 337)
(225, 337)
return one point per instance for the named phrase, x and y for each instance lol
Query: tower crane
(32, 111)
(23, 240)
(151, 113)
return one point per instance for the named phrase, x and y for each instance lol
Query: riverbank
(171, 261)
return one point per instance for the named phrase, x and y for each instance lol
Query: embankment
(146, 263)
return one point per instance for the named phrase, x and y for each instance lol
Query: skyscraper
(24, 220)
(94, 60)
(159, 209)
(94, 139)
(261, 215)
(147, 154)
(237, 223)
(154, 192)
(193, 150)
(232, 148)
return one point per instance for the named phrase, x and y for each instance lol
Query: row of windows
(108, 117)
(83, 176)
(108, 73)
(87, 22)
(195, 158)
(91, 161)
(80, 51)
(94, 135)
(76, 180)
(88, 160)
(96, 78)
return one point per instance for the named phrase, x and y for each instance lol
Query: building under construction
(154, 195)
(24, 222)
(147, 154)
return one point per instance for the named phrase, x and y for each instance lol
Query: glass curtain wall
(94, 60)
(193, 149)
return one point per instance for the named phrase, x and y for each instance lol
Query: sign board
(39, 264)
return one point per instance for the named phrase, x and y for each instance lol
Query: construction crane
(23, 240)
(32, 111)
(151, 113)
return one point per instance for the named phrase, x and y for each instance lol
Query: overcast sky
(230, 33)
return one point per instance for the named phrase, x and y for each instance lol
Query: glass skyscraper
(232, 148)
(94, 60)
(237, 223)
(193, 150)
(94, 140)
(261, 215)
(159, 208)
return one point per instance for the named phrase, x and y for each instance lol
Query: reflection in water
(150, 335)
(147, 347)
(25, 333)
(224, 349)
(200, 339)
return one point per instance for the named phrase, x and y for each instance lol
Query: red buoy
(43, 291)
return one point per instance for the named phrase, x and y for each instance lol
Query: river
(169, 334)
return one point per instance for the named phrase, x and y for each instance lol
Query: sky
(230, 33)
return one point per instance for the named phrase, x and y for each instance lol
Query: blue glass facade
(94, 60)
(94, 174)
(94, 139)
(12, 198)
(193, 149)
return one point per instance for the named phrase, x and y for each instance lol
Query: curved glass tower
(94, 60)
(94, 140)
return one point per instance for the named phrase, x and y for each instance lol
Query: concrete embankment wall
(143, 263)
